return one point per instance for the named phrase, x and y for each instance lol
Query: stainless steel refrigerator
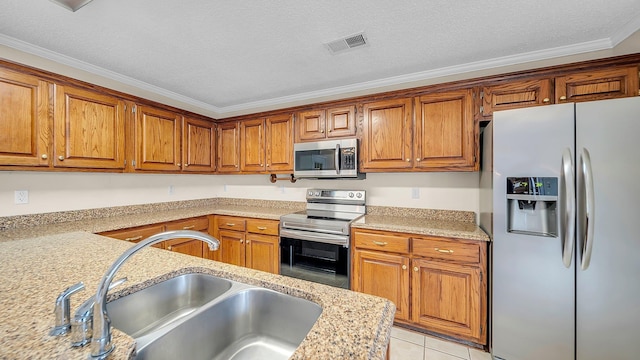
(564, 216)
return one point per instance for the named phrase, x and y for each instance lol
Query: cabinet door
(263, 252)
(310, 125)
(341, 122)
(446, 299)
(252, 145)
(186, 246)
(25, 129)
(279, 132)
(386, 138)
(198, 137)
(383, 275)
(232, 249)
(445, 131)
(135, 235)
(516, 94)
(89, 129)
(597, 85)
(228, 147)
(157, 139)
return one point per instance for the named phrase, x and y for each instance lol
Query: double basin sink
(201, 316)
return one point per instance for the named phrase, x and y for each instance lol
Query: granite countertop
(422, 226)
(34, 270)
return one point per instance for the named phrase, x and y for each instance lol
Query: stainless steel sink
(253, 323)
(200, 316)
(164, 303)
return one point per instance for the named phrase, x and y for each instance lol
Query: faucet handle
(62, 310)
(82, 322)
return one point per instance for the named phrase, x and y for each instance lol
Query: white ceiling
(237, 55)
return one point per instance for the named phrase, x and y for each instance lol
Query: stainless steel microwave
(326, 159)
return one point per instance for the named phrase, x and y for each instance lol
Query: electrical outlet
(171, 190)
(21, 197)
(415, 193)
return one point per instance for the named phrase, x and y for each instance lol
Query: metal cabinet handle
(563, 97)
(444, 251)
(408, 160)
(188, 227)
(322, 131)
(44, 156)
(268, 165)
(546, 100)
(178, 164)
(380, 243)
(185, 165)
(241, 241)
(231, 224)
(262, 228)
(61, 158)
(418, 159)
(133, 238)
(248, 241)
(170, 248)
(404, 267)
(415, 268)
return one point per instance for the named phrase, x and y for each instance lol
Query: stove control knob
(350, 194)
(359, 195)
(310, 193)
(317, 193)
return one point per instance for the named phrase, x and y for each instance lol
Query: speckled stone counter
(451, 224)
(33, 271)
(107, 219)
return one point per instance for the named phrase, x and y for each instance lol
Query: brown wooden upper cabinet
(515, 94)
(442, 137)
(386, 138)
(157, 139)
(444, 132)
(325, 124)
(199, 140)
(229, 147)
(88, 129)
(576, 87)
(25, 131)
(597, 85)
(267, 144)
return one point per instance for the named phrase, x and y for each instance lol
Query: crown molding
(307, 97)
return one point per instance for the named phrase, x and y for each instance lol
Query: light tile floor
(410, 345)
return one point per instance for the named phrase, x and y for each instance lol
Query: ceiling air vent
(347, 43)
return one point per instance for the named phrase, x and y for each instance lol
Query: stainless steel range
(314, 244)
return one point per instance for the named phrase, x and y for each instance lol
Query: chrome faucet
(101, 345)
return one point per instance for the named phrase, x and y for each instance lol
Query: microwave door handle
(337, 159)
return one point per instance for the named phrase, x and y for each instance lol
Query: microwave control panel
(348, 160)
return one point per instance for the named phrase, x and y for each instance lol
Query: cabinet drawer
(447, 250)
(267, 227)
(381, 242)
(134, 234)
(196, 224)
(231, 223)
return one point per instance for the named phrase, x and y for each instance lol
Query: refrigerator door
(608, 291)
(532, 289)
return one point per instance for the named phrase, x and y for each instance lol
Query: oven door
(320, 262)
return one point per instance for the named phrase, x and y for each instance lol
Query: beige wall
(49, 191)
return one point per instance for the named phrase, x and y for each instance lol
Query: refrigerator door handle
(589, 216)
(567, 218)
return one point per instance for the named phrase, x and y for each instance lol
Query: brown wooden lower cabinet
(253, 243)
(437, 284)
(184, 246)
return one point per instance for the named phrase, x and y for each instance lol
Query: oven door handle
(317, 237)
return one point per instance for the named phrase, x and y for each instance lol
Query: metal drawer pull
(170, 248)
(133, 238)
(404, 267)
(379, 243)
(415, 268)
(446, 251)
(262, 228)
(188, 227)
(231, 224)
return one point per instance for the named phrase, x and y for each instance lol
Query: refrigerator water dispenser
(532, 206)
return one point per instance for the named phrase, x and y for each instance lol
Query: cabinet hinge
(133, 109)
(481, 108)
(133, 163)
(481, 94)
(480, 273)
(125, 163)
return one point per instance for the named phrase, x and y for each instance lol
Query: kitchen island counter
(34, 270)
